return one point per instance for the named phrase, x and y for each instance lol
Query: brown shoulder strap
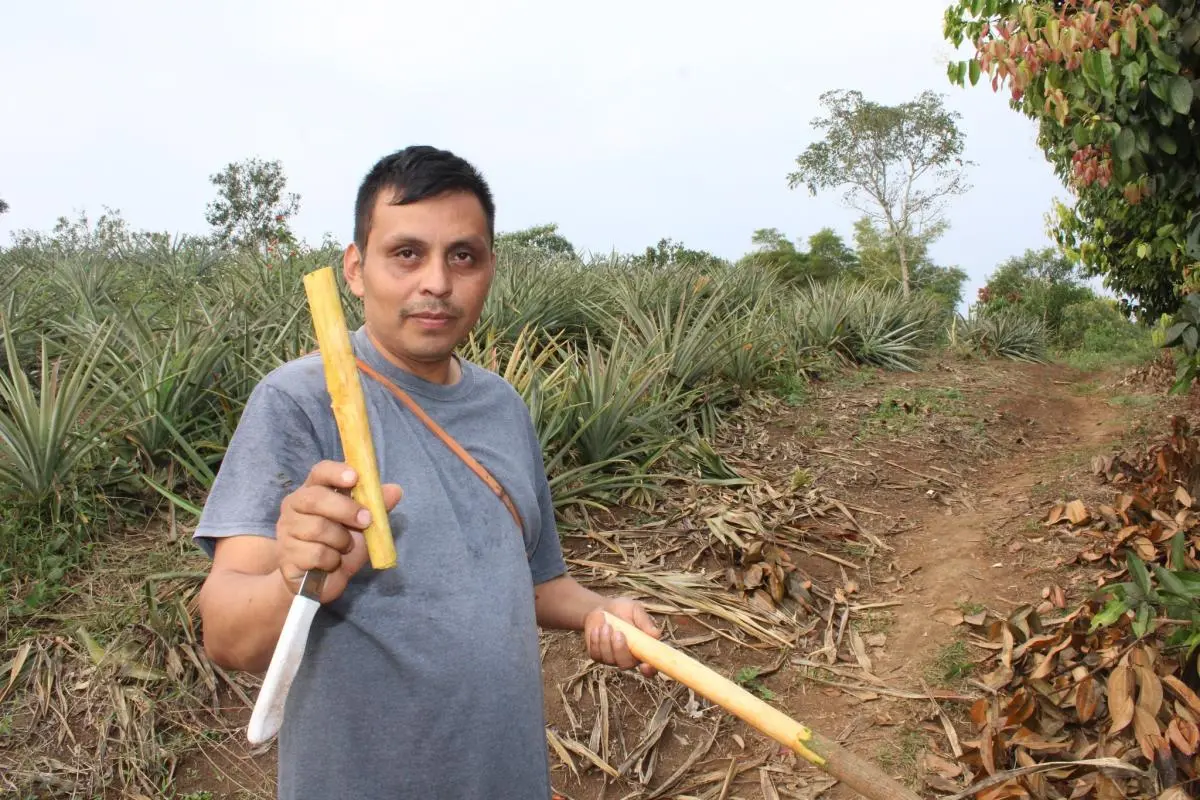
(448, 440)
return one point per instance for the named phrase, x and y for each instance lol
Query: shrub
(1004, 333)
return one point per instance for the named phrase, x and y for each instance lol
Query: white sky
(624, 122)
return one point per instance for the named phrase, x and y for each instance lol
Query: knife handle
(350, 410)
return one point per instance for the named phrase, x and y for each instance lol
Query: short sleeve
(269, 456)
(547, 562)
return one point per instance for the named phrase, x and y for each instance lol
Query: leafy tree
(543, 238)
(1042, 283)
(668, 253)
(879, 264)
(827, 256)
(899, 163)
(251, 210)
(1112, 86)
(3, 207)
(777, 253)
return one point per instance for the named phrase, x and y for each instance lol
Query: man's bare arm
(563, 604)
(243, 603)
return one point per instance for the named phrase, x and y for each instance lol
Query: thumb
(645, 622)
(391, 495)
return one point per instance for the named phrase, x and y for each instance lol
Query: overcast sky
(624, 122)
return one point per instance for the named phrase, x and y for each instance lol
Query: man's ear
(352, 269)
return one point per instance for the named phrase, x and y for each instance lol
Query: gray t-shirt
(421, 681)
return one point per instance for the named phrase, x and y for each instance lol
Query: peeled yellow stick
(350, 410)
(862, 776)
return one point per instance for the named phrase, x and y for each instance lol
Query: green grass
(748, 677)
(793, 388)
(952, 664)
(1133, 401)
(968, 608)
(900, 755)
(902, 410)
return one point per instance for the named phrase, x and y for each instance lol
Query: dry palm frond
(692, 594)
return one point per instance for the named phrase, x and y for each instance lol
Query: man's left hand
(607, 645)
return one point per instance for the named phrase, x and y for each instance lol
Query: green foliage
(251, 210)
(1099, 326)
(544, 239)
(1113, 89)
(899, 164)
(1004, 333)
(1153, 593)
(669, 253)
(863, 325)
(127, 359)
(1184, 333)
(1041, 284)
(827, 257)
(880, 264)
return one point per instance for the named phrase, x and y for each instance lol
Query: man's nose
(435, 278)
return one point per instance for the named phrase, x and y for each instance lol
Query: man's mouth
(432, 319)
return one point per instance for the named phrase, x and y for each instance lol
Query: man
(421, 681)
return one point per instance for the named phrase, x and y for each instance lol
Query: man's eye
(406, 252)
(463, 255)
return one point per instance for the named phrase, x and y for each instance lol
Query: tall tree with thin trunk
(900, 164)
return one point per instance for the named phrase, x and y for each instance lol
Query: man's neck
(446, 372)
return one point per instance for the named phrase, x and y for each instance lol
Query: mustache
(432, 308)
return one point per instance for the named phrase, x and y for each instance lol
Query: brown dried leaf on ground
(1077, 688)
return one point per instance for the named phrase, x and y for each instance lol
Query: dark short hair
(414, 174)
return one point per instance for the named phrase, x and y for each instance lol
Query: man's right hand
(320, 527)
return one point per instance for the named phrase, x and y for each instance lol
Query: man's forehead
(462, 206)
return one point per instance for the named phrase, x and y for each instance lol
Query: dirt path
(953, 468)
(970, 552)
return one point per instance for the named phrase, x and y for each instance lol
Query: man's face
(424, 277)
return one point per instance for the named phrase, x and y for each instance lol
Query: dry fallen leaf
(1184, 735)
(936, 764)
(1086, 699)
(1184, 692)
(948, 616)
(1146, 729)
(1183, 497)
(859, 647)
(1150, 694)
(1120, 697)
(1076, 512)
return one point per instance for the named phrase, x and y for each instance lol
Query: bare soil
(951, 470)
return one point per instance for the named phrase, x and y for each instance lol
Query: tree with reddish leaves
(1113, 87)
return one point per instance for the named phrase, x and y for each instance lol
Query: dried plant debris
(1099, 701)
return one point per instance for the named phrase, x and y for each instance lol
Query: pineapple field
(833, 494)
(955, 533)
(901, 525)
